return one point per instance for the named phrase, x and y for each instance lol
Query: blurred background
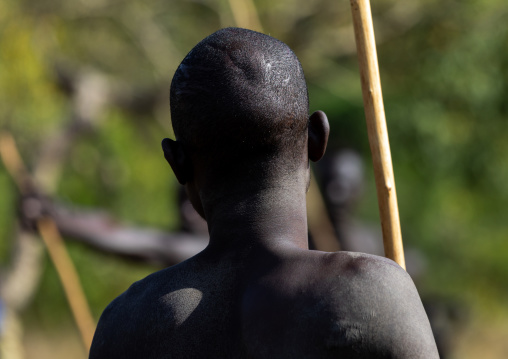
(84, 89)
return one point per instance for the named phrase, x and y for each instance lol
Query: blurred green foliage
(444, 70)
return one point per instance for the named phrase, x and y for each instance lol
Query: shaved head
(242, 90)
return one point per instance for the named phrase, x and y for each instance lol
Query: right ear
(319, 130)
(175, 154)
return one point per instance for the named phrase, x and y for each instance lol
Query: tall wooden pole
(377, 131)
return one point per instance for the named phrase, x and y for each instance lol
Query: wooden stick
(69, 279)
(53, 241)
(12, 161)
(245, 14)
(377, 131)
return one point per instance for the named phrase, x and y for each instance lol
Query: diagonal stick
(53, 241)
(376, 128)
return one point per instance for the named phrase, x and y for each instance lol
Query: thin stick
(245, 14)
(69, 278)
(53, 241)
(12, 161)
(378, 133)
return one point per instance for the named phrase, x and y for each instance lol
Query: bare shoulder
(375, 306)
(180, 312)
(139, 309)
(364, 272)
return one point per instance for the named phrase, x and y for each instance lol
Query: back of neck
(267, 216)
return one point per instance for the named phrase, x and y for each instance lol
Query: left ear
(175, 154)
(319, 129)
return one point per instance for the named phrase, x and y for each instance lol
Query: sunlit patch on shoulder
(182, 302)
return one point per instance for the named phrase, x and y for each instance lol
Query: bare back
(300, 304)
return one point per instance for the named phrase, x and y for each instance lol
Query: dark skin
(257, 291)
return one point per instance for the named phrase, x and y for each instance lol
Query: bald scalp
(242, 90)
